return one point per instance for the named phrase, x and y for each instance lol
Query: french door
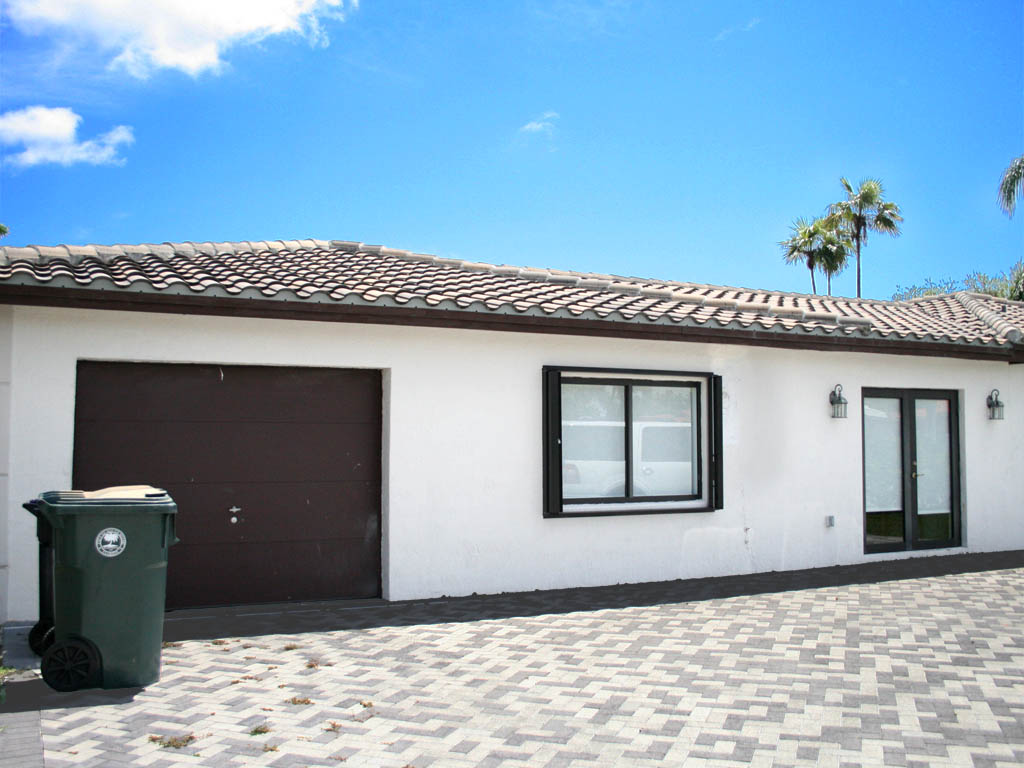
(911, 469)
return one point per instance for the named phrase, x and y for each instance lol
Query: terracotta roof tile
(349, 272)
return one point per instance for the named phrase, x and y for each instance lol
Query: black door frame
(908, 430)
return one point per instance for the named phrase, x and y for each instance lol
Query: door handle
(916, 475)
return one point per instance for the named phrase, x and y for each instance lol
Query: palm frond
(833, 218)
(872, 189)
(886, 219)
(846, 215)
(1012, 185)
(834, 249)
(802, 247)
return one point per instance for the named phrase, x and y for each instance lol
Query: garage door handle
(234, 514)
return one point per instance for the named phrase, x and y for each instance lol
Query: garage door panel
(228, 574)
(271, 512)
(230, 393)
(296, 452)
(205, 452)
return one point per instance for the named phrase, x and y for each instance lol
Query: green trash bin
(109, 585)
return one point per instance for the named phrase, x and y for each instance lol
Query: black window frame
(908, 449)
(708, 429)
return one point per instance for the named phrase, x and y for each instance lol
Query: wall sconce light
(995, 406)
(838, 402)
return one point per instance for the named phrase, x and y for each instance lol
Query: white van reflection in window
(594, 460)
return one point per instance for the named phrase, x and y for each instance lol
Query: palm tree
(1012, 185)
(802, 247)
(834, 249)
(821, 244)
(865, 210)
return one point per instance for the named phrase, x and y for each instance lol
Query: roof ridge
(649, 286)
(605, 282)
(75, 254)
(608, 281)
(999, 324)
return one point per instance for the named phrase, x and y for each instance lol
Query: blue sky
(663, 139)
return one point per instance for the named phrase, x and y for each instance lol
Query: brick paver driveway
(926, 671)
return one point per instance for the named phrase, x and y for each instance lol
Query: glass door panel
(911, 469)
(932, 470)
(883, 470)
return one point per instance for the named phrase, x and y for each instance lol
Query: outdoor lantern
(838, 402)
(995, 406)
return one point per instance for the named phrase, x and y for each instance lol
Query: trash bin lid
(118, 494)
(133, 492)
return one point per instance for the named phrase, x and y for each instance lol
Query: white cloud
(50, 135)
(742, 28)
(543, 124)
(188, 35)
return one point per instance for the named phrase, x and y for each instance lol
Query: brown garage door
(276, 472)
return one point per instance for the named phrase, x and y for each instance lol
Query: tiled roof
(354, 274)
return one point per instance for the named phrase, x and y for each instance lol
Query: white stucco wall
(463, 438)
(6, 314)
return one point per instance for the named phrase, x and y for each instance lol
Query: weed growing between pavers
(10, 673)
(173, 742)
(273, 738)
(5, 672)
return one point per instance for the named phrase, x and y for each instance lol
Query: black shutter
(717, 492)
(552, 442)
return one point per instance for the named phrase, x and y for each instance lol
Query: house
(340, 420)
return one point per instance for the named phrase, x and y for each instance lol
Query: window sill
(635, 511)
(936, 549)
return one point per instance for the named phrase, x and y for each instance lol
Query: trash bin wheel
(40, 637)
(71, 664)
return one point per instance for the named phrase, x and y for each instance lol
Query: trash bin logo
(110, 542)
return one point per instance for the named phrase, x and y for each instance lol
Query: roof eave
(175, 302)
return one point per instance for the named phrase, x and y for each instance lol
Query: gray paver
(925, 671)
